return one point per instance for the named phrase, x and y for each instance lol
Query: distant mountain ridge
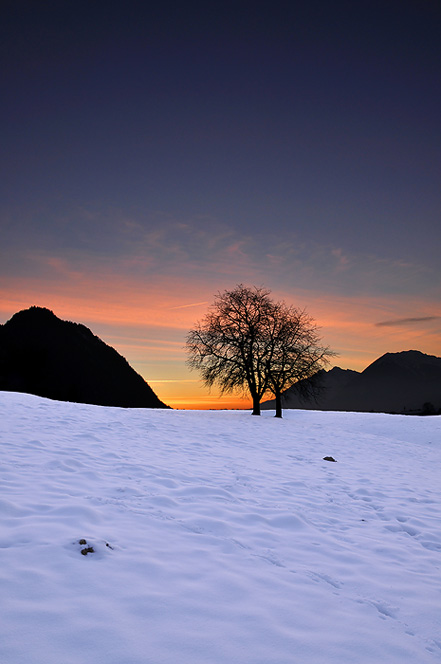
(407, 382)
(44, 355)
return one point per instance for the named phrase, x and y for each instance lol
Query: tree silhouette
(247, 341)
(296, 353)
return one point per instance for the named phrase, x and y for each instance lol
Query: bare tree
(296, 353)
(229, 347)
(248, 342)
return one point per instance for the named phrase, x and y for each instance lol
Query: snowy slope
(218, 537)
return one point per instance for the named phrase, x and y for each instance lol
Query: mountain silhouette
(407, 382)
(43, 355)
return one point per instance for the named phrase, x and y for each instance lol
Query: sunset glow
(154, 158)
(151, 335)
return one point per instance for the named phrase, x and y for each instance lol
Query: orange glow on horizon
(224, 403)
(148, 326)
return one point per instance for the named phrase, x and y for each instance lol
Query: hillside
(408, 382)
(163, 536)
(43, 355)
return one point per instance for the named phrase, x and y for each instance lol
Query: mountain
(406, 382)
(43, 355)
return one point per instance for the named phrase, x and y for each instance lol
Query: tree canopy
(248, 342)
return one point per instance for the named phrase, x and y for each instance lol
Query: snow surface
(218, 537)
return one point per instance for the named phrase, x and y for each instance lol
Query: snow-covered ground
(218, 537)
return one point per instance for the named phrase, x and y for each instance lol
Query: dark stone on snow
(89, 549)
(329, 458)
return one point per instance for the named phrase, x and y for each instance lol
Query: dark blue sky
(296, 145)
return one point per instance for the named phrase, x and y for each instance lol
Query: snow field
(217, 537)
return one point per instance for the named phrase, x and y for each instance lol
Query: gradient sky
(152, 157)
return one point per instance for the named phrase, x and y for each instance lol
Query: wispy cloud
(186, 306)
(140, 291)
(406, 321)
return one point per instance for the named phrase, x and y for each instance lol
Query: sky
(153, 156)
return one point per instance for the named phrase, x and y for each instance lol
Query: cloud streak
(187, 306)
(406, 321)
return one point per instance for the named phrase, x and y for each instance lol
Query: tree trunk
(278, 404)
(256, 405)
